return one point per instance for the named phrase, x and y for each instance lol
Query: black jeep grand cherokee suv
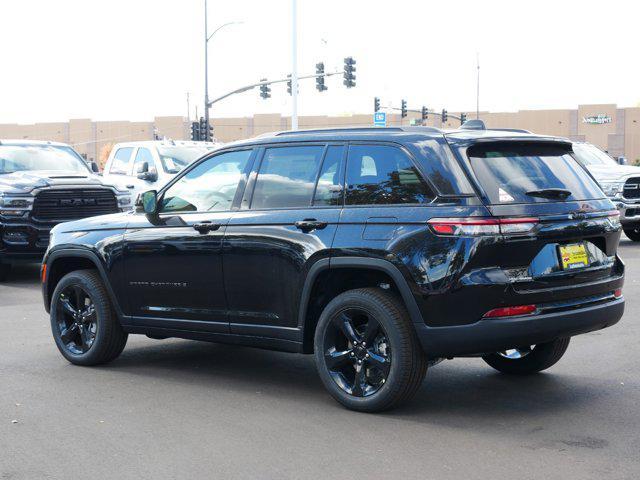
(379, 250)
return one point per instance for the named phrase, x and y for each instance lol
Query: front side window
(143, 155)
(287, 177)
(120, 162)
(527, 172)
(328, 189)
(382, 174)
(210, 186)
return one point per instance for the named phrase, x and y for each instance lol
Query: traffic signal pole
(206, 66)
(294, 65)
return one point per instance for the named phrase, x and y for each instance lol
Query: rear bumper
(493, 335)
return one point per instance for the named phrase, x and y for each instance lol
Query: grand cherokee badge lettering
(159, 284)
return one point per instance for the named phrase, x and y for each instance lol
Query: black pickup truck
(41, 185)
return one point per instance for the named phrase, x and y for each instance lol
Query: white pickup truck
(619, 181)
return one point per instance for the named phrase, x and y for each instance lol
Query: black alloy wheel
(76, 319)
(85, 327)
(367, 353)
(357, 352)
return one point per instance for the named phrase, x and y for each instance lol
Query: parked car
(619, 181)
(41, 185)
(381, 251)
(151, 164)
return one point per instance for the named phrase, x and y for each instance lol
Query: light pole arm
(221, 27)
(269, 82)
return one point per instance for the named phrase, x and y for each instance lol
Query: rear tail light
(482, 226)
(511, 311)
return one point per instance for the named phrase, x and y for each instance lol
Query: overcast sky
(135, 59)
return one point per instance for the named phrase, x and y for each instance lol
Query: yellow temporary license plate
(573, 256)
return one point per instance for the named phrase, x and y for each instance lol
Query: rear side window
(382, 174)
(527, 172)
(120, 163)
(287, 177)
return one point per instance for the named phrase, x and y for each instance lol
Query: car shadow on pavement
(23, 275)
(455, 391)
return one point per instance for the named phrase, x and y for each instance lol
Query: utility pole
(294, 65)
(478, 87)
(188, 108)
(206, 66)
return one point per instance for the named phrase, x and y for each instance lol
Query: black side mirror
(149, 202)
(622, 160)
(144, 173)
(95, 168)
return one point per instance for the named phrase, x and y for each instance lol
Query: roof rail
(515, 130)
(473, 125)
(356, 130)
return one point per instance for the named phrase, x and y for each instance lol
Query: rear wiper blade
(550, 193)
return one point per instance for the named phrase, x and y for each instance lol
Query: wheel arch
(64, 261)
(338, 272)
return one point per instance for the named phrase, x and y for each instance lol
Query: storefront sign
(599, 119)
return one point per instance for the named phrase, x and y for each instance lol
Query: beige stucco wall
(620, 137)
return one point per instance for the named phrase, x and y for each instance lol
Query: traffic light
(349, 70)
(289, 84)
(445, 116)
(424, 113)
(265, 90)
(463, 118)
(202, 130)
(376, 104)
(209, 137)
(403, 108)
(320, 80)
(195, 131)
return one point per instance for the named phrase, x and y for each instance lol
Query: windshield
(527, 172)
(591, 155)
(176, 158)
(20, 158)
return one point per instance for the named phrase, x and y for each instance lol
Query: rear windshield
(530, 172)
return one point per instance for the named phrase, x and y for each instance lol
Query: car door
(288, 218)
(173, 262)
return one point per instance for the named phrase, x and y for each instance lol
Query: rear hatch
(565, 232)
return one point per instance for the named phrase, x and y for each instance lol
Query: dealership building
(614, 129)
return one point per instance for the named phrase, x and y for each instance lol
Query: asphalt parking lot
(182, 409)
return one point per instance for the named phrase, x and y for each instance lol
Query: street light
(208, 37)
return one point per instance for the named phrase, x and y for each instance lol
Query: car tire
(393, 363)
(90, 338)
(538, 358)
(633, 233)
(5, 271)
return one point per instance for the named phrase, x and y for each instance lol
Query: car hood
(613, 173)
(112, 221)
(25, 182)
